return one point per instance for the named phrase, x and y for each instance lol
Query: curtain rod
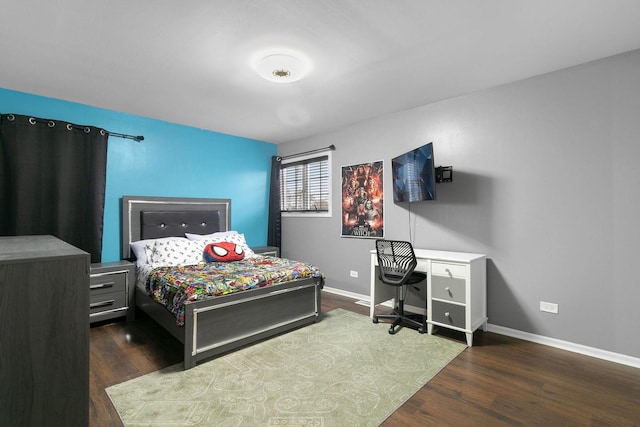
(331, 147)
(122, 135)
(87, 129)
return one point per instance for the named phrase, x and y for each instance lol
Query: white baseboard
(539, 339)
(364, 298)
(566, 345)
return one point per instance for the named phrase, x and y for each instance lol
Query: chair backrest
(396, 260)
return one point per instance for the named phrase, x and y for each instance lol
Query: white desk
(456, 289)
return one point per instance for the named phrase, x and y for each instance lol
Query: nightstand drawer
(111, 291)
(107, 283)
(448, 270)
(448, 288)
(448, 314)
(267, 251)
(107, 301)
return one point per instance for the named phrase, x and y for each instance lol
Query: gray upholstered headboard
(154, 217)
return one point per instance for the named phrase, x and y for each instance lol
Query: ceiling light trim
(281, 65)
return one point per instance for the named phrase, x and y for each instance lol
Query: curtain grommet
(32, 120)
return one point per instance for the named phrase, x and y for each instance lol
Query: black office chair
(396, 265)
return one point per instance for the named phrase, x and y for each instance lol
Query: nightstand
(112, 290)
(267, 250)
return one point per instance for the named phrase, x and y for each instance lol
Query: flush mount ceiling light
(281, 66)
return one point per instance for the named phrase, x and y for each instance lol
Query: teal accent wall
(173, 160)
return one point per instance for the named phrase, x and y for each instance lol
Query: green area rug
(342, 371)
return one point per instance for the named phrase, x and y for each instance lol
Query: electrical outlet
(353, 273)
(549, 307)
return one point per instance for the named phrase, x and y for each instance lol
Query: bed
(214, 325)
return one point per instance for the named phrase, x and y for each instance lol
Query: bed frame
(220, 324)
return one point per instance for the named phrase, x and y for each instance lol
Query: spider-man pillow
(223, 252)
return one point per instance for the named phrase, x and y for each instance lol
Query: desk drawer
(448, 314)
(448, 270)
(448, 288)
(107, 301)
(107, 283)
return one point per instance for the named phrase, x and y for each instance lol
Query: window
(305, 186)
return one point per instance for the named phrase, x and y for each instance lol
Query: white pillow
(143, 248)
(217, 234)
(178, 252)
(228, 236)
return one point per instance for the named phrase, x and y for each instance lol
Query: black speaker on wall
(444, 173)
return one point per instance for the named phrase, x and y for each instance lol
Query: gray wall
(546, 183)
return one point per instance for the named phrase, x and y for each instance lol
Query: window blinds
(304, 185)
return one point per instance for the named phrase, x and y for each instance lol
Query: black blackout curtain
(275, 217)
(52, 180)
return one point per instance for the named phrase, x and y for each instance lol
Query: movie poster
(362, 200)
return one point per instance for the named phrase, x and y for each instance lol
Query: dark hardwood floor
(498, 381)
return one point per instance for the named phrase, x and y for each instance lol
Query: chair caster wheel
(375, 319)
(421, 331)
(392, 331)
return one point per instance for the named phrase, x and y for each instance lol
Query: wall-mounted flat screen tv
(414, 175)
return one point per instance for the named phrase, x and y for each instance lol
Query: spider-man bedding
(173, 286)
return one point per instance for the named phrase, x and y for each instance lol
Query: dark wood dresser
(44, 332)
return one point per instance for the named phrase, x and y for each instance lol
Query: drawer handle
(101, 303)
(447, 315)
(448, 289)
(102, 285)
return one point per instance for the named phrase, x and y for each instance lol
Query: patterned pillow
(215, 235)
(142, 249)
(177, 252)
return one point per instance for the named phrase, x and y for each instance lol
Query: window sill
(306, 214)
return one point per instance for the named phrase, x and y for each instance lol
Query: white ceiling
(187, 61)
